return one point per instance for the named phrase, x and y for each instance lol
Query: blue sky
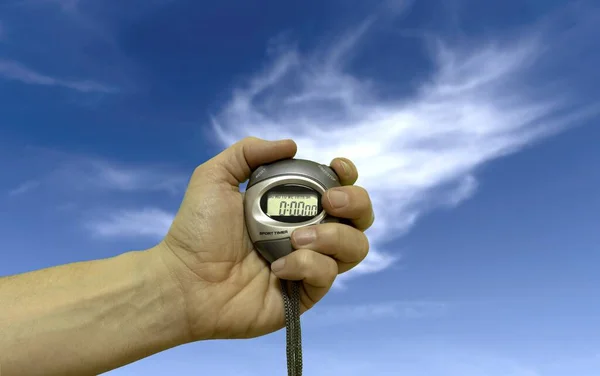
(473, 124)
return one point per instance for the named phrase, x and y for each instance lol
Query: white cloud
(67, 5)
(328, 355)
(394, 356)
(369, 354)
(75, 173)
(94, 173)
(64, 5)
(149, 222)
(344, 314)
(25, 187)
(15, 71)
(417, 152)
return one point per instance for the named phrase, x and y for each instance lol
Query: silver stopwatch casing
(272, 237)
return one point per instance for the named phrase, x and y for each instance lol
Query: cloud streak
(415, 152)
(150, 222)
(328, 355)
(11, 70)
(89, 173)
(345, 314)
(23, 188)
(76, 173)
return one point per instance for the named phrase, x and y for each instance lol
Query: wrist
(159, 277)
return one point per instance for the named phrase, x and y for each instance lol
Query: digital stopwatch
(281, 197)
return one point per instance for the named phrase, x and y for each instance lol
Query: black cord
(293, 333)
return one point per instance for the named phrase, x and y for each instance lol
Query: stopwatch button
(272, 250)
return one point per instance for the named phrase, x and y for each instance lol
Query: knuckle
(330, 236)
(339, 236)
(362, 193)
(304, 258)
(362, 199)
(371, 220)
(323, 234)
(357, 246)
(347, 243)
(364, 247)
(330, 270)
(202, 172)
(198, 170)
(249, 140)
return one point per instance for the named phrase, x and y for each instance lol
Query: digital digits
(296, 208)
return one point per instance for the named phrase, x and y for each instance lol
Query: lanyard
(293, 335)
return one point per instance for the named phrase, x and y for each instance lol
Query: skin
(203, 281)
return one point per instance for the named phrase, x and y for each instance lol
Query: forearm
(87, 318)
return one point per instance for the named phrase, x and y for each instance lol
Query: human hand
(229, 290)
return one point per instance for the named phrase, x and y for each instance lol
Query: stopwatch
(283, 196)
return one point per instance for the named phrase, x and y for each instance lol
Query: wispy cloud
(24, 188)
(12, 70)
(90, 173)
(95, 186)
(414, 357)
(345, 314)
(415, 152)
(149, 222)
(364, 355)
(66, 5)
(64, 172)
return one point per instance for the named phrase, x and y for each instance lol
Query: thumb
(236, 163)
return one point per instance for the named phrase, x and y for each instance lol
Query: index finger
(345, 170)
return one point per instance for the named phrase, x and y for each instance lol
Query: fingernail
(346, 167)
(337, 199)
(278, 265)
(304, 236)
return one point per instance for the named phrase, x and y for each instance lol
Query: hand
(229, 290)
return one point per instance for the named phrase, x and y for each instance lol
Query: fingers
(240, 159)
(350, 202)
(316, 270)
(347, 245)
(345, 170)
(324, 251)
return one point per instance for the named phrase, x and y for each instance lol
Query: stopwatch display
(292, 204)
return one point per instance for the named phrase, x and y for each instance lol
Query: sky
(474, 126)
